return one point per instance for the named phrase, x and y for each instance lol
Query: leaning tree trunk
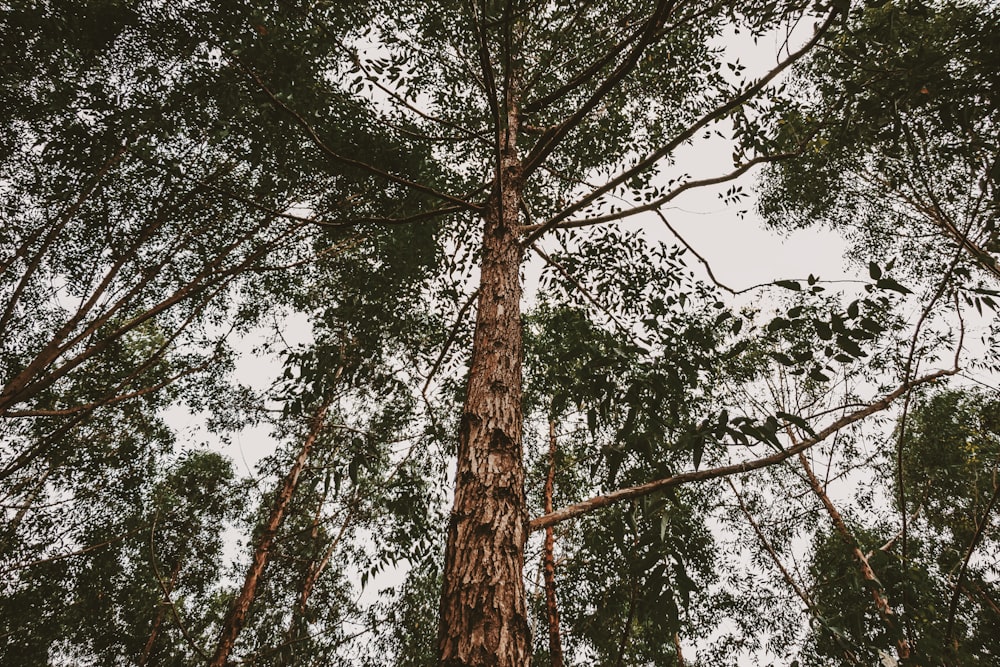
(484, 618)
(236, 616)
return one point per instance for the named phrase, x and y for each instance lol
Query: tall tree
(464, 137)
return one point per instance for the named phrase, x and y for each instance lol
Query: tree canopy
(521, 420)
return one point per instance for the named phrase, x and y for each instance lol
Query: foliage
(177, 177)
(902, 129)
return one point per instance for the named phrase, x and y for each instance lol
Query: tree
(951, 467)
(437, 145)
(904, 123)
(147, 221)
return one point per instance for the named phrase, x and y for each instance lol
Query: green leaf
(823, 330)
(889, 283)
(796, 420)
(778, 324)
(817, 374)
(782, 358)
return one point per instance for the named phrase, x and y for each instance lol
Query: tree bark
(484, 618)
(236, 616)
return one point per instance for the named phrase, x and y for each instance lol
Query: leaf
(777, 324)
(889, 283)
(850, 347)
(793, 285)
(817, 374)
(874, 271)
(796, 420)
(782, 359)
(823, 330)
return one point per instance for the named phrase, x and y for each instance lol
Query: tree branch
(692, 129)
(597, 502)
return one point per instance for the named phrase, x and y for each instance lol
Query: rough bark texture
(484, 618)
(236, 616)
(555, 641)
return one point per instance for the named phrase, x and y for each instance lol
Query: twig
(166, 593)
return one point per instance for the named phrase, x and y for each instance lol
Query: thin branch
(981, 525)
(351, 162)
(704, 262)
(786, 575)
(166, 594)
(451, 339)
(580, 288)
(586, 74)
(70, 554)
(550, 139)
(656, 204)
(885, 610)
(549, 561)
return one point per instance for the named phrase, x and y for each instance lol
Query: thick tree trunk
(236, 616)
(484, 617)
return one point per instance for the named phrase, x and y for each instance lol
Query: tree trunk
(484, 618)
(161, 607)
(236, 616)
(548, 557)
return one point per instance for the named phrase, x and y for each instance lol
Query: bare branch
(656, 204)
(548, 141)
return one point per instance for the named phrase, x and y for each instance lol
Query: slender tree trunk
(885, 609)
(161, 608)
(9, 535)
(236, 616)
(297, 623)
(297, 626)
(677, 648)
(484, 618)
(555, 641)
(627, 628)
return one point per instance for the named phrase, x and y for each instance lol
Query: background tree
(904, 123)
